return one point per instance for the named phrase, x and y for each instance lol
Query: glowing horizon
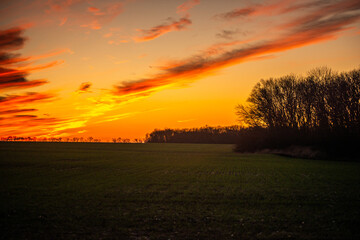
(123, 68)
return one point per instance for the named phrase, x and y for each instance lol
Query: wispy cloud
(9, 101)
(256, 10)
(11, 39)
(171, 25)
(86, 14)
(95, 11)
(236, 13)
(159, 30)
(13, 111)
(60, 5)
(16, 122)
(327, 23)
(63, 21)
(84, 87)
(186, 6)
(230, 34)
(102, 15)
(14, 71)
(12, 75)
(94, 24)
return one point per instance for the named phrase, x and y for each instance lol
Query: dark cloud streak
(159, 30)
(13, 111)
(322, 25)
(10, 77)
(230, 34)
(11, 39)
(236, 13)
(84, 87)
(173, 25)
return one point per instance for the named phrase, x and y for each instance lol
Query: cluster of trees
(126, 140)
(195, 135)
(30, 139)
(322, 99)
(321, 110)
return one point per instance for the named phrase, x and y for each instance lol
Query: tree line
(320, 110)
(48, 139)
(67, 139)
(207, 134)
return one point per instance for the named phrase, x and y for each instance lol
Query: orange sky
(123, 68)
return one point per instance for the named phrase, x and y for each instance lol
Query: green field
(172, 191)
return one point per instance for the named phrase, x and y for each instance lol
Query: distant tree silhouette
(195, 135)
(321, 110)
(321, 100)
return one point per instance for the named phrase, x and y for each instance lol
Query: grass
(172, 191)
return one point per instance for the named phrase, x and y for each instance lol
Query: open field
(172, 191)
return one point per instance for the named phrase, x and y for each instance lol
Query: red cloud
(28, 124)
(181, 24)
(20, 83)
(12, 76)
(12, 111)
(30, 97)
(159, 30)
(101, 16)
(61, 5)
(326, 24)
(256, 10)
(186, 6)
(11, 39)
(93, 9)
(63, 21)
(93, 25)
(16, 123)
(25, 116)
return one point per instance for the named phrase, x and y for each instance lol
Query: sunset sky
(123, 68)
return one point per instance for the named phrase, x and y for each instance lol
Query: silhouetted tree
(321, 109)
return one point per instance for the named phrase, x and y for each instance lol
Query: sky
(80, 68)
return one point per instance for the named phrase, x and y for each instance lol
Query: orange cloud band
(300, 33)
(159, 30)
